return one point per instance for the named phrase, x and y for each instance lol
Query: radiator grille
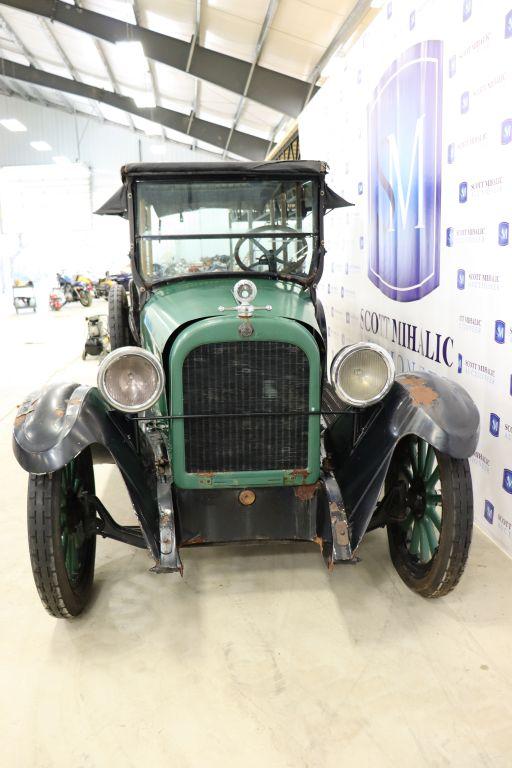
(268, 377)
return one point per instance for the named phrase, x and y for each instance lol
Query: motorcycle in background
(103, 285)
(76, 290)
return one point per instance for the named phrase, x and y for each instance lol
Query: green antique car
(218, 406)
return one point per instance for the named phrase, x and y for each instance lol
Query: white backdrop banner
(416, 126)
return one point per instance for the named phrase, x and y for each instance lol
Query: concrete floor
(256, 657)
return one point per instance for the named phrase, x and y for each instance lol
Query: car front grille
(235, 379)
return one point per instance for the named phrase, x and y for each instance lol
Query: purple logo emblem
(506, 131)
(449, 237)
(451, 153)
(466, 9)
(463, 192)
(361, 242)
(360, 188)
(499, 332)
(461, 279)
(464, 102)
(404, 177)
(389, 10)
(489, 511)
(507, 480)
(503, 231)
(452, 66)
(494, 425)
(459, 363)
(412, 20)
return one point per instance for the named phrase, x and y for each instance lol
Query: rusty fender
(55, 424)
(436, 409)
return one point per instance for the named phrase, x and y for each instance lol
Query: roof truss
(243, 144)
(273, 89)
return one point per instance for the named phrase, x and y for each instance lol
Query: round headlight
(245, 291)
(131, 379)
(362, 374)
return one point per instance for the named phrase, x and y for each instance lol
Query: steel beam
(267, 21)
(242, 144)
(6, 89)
(281, 92)
(108, 70)
(47, 27)
(344, 32)
(151, 65)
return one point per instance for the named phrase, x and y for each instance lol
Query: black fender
(436, 409)
(55, 424)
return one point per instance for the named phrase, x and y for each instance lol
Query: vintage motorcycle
(76, 290)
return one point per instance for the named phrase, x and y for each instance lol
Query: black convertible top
(117, 204)
(287, 168)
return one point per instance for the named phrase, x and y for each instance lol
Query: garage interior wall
(46, 207)
(416, 127)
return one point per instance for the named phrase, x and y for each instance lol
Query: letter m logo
(404, 178)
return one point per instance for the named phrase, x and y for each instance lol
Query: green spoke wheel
(430, 526)
(62, 536)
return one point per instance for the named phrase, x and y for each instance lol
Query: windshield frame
(317, 235)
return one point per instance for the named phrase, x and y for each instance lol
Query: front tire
(118, 327)
(85, 298)
(430, 527)
(62, 536)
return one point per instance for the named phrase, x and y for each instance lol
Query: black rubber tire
(441, 574)
(118, 327)
(60, 598)
(85, 298)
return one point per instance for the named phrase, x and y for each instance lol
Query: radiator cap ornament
(245, 291)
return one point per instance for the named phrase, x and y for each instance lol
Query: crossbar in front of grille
(264, 377)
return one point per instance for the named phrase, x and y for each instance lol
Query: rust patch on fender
(421, 393)
(194, 540)
(306, 492)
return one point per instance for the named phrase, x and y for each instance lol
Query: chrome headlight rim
(123, 352)
(342, 356)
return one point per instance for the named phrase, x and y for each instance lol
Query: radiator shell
(226, 330)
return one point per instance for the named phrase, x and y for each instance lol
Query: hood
(182, 302)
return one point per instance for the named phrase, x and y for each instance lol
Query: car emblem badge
(245, 329)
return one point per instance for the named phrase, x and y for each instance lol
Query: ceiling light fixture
(13, 125)
(130, 55)
(145, 101)
(41, 146)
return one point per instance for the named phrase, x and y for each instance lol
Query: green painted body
(193, 306)
(184, 301)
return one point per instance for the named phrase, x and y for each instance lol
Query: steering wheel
(270, 256)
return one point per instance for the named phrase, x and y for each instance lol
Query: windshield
(261, 226)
